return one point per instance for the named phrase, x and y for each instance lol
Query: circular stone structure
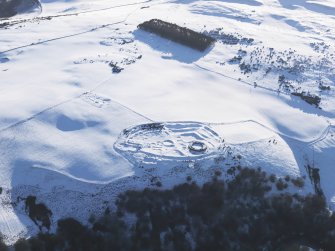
(197, 146)
(155, 142)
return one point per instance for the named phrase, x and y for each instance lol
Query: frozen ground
(79, 85)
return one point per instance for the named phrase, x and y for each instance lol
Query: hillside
(92, 106)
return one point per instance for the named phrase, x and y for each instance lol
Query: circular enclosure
(168, 141)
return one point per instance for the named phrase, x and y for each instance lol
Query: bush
(309, 98)
(298, 182)
(281, 185)
(273, 178)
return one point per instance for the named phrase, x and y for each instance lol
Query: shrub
(281, 185)
(298, 182)
(309, 98)
(273, 178)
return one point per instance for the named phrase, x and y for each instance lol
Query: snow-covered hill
(75, 132)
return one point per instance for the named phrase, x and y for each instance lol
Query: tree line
(178, 34)
(252, 211)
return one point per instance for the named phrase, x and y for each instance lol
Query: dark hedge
(178, 34)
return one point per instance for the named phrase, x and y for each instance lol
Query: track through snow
(324, 133)
(75, 34)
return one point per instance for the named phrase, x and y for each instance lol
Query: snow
(64, 113)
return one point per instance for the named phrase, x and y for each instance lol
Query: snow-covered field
(75, 133)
